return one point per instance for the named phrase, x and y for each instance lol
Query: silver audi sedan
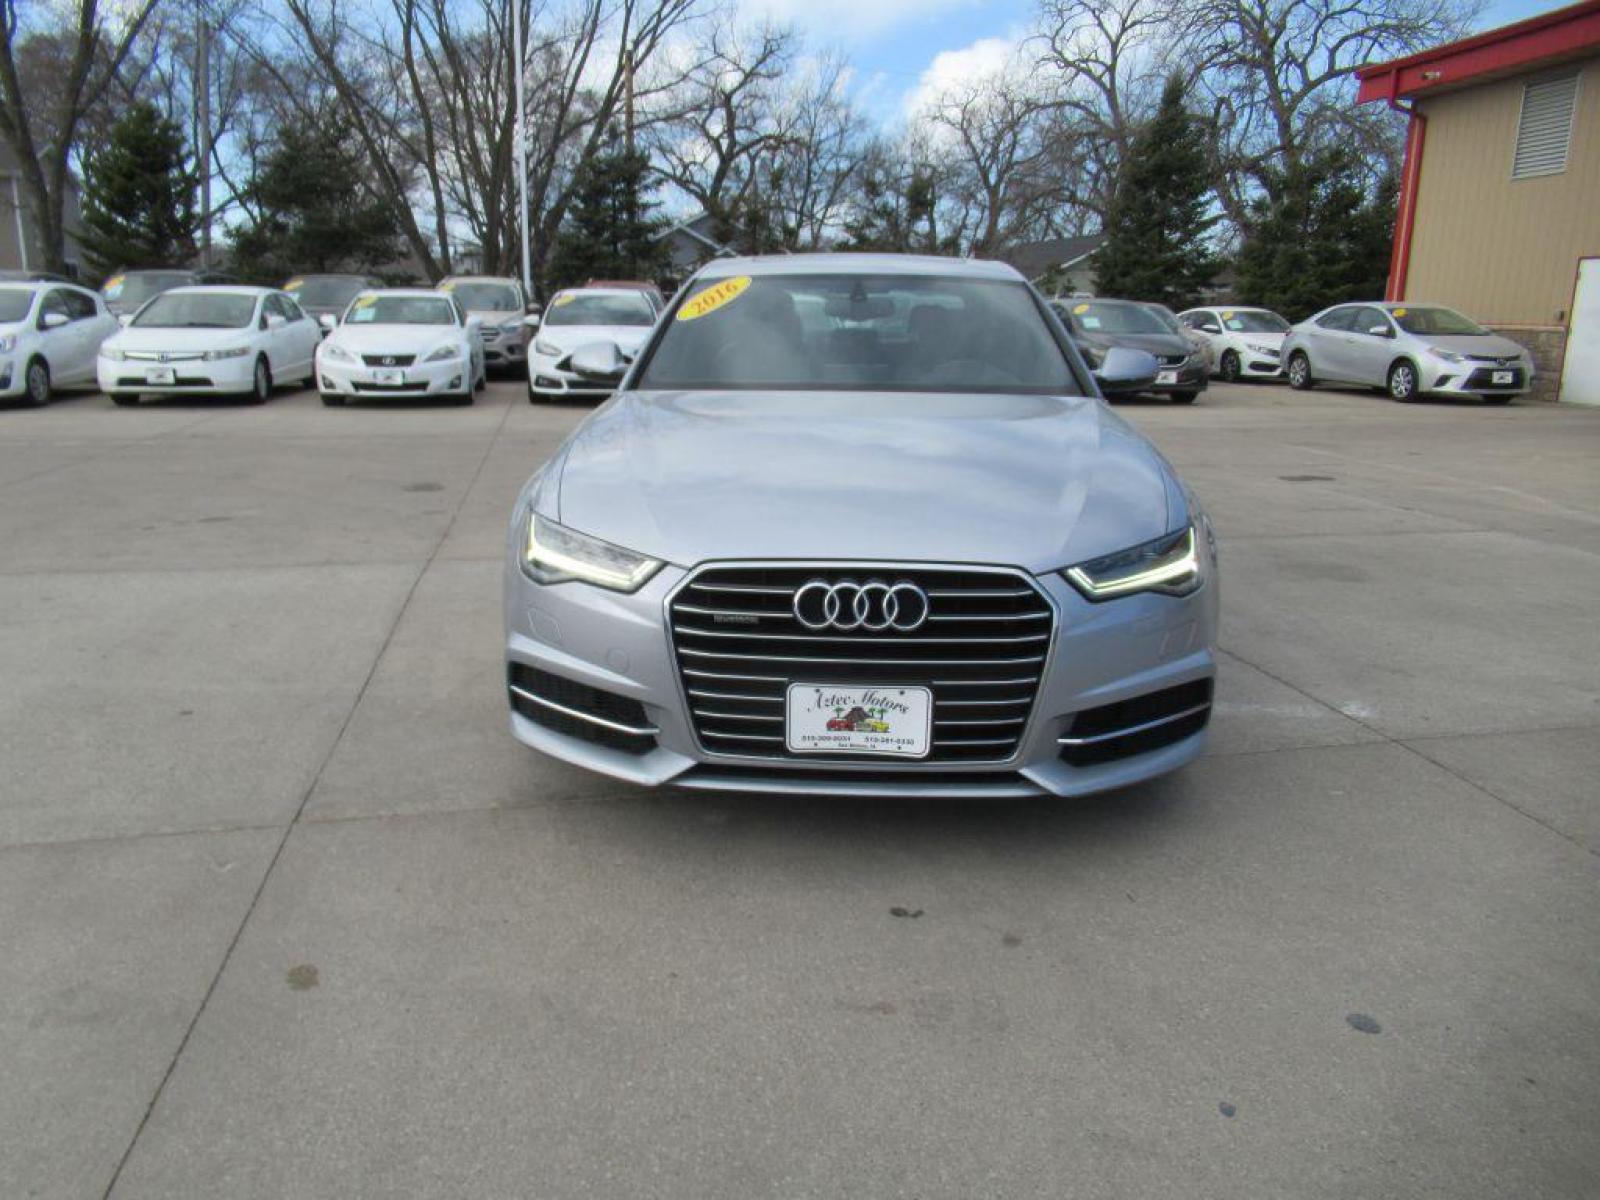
(860, 524)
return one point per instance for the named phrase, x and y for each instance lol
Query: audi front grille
(981, 650)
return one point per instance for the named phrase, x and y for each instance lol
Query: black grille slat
(580, 697)
(388, 360)
(982, 653)
(1138, 725)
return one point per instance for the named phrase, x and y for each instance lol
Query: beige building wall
(1504, 251)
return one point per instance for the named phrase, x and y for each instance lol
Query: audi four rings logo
(873, 606)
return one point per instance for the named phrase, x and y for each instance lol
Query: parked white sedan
(1240, 343)
(49, 334)
(396, 343)
(582, 317)
(210, 341)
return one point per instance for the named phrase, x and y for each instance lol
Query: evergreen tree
(313, 213)
(1157, 226)
(609, 231)
(139, 195)
(1317, 236)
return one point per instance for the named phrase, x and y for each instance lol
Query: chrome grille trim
(734, 681)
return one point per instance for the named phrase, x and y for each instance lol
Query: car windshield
(136, 287)
(1093, 316)
(197, 310)
(844, 332)
(486, 297)
(1434, 321)
(600, 308)
(400, 310)
(1167, 319)
(324, 291)
(14, 303)
(1246, 321)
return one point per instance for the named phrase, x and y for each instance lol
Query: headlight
(1169, 565)
(553, 553)
(1449, 356)
(232, 352)
(8, 343)
(112, 354)
(550, 348)
(337, 352)
(1260, 349)
(442, 354)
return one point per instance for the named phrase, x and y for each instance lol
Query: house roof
(1033, 259)
(1544, 40)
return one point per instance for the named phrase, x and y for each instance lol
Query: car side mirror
(274, 321)
(1123, 368)
(52, 320)
(1210, 328)
(533, 309)
(533, 320)
(329, 322)
(1382, 331)
(604, 362)
(124, 319)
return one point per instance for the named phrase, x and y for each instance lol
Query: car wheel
(1497, 399)
(36, 382)
(332, 400)
(1300, 372)
(261, 383)
(1229, 367)
(1183, 397)
(124, 399)
(1403, 381)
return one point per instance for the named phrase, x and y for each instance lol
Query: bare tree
(43, 138)
(818, 152)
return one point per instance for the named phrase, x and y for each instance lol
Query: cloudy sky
(906, 48)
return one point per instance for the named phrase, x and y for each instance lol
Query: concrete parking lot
(285, 912)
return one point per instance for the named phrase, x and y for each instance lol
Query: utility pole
(521, 156)
(627, 100)
(202, 98)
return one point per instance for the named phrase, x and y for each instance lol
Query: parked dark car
(127, 291)
(328, 295)
(1099, 325)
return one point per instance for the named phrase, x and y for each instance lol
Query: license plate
(160, 375)
(1502, 377)
(823, 717)
(1167, 377)
(388, 376)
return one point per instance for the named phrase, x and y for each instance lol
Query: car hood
(1473, 343)
(1261, 339)
(1038, 482)
(1153, 343)
(392, 339)
(496, 316)
(134, 338)
(569, 337)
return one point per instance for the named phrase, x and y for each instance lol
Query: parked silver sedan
(1408, 350)
(860, 524)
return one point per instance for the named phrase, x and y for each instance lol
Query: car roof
(419, 292)
(859, 264)
(477, 279)
(601, 290)
(229, 289)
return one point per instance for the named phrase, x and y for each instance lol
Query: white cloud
(951, 70)
(846, 20)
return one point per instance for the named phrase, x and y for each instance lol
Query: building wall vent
(1545, 128)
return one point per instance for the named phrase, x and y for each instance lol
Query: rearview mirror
(602, 362)
(52, 320)
(1126, 370)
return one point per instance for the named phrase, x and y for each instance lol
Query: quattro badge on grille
(873, 606)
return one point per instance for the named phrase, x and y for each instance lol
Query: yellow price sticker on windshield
(447, 286)
(714, 297)
(1228, 316)
(1399, 312)
(294, 285)
(566, 298)
(1080, 310)
(366, 301)
(115, 281)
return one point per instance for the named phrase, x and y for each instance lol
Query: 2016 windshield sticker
(294, 285)
(559, 301)
(1399, 312)
(714, 297)
(366, 301)
(1080, 310)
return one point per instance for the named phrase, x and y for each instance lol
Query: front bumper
(1475, 378)
(191, 376)
(1101, 655)
(506, 350)
(1192, 376)
(549, 381)
(419, 380)
(11, 378)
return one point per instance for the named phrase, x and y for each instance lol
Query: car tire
(1496, 399)
(332, 400)
(261, 382)
(1299, 372)
(36, 382)
(1402, 381)
(1183, 397)
(1229, 368)
(124, 399)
